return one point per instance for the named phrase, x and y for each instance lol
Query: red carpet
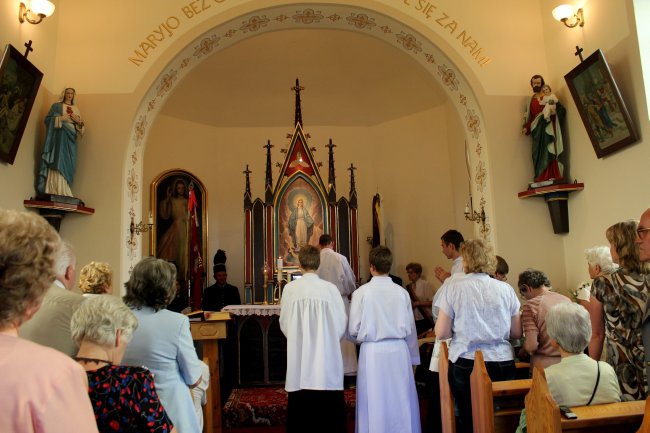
(265, 406)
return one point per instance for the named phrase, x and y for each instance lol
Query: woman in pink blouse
(43, 390)
(535, 286)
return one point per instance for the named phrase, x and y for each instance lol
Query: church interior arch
(395, 106)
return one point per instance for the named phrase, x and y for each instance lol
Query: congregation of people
(94, 362)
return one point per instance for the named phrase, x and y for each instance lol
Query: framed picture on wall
(169, 208)
(600, 105)
(19, 82)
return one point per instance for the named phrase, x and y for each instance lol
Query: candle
(280, 263)
(467, 209)
(150, 218)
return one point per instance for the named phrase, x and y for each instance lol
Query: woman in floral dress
(620, 300)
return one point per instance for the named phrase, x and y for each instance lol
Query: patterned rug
(265, 406)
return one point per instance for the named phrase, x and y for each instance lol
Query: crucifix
(29, 48)
(579, 53)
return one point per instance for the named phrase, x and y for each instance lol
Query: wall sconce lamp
(569, 16)
(36, 11)
(472, 215)
(141, 227)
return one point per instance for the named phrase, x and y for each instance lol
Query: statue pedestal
(556, 197)
(54, 207)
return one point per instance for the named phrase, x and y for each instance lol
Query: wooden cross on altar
(29, 48)
(579, 53)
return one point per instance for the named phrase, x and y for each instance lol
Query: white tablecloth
(253, 310)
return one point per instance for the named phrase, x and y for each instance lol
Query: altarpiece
(296, 211)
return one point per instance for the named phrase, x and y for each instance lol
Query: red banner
(197, 268)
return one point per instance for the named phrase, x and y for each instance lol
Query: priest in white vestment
(334, 267)
(381, 319)
(313, 319)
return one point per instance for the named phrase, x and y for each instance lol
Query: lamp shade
(563, 12)
(42, 7)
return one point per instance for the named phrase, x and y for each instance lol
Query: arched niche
(303, 16)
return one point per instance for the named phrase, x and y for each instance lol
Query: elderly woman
(124, 398)
(577, 380)
(599, 262)
(535, 286)
(39, 385)
(478, 313)
(96, 278)
(619, 302)
(163, 342)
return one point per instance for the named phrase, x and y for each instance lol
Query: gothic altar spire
(353, 187)
(331, 178)
(248, 203)
(297, 88)
(268, 185)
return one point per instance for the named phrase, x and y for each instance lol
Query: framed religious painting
(172, 232)
(601, 106)
(301, 217)
(19, 82)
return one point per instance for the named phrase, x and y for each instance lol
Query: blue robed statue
(59, 157)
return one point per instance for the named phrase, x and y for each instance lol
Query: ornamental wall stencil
(140, 129)
(361, 21)
(448, 77)
(308, 16)
(255, 22)
(166, 82)
(481, 176)
(473, 123)
(132, 184)
(206, 46)
(409, 42)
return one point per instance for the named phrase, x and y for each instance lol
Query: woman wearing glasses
(619, 301)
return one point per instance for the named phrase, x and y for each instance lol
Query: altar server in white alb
(313, 319)
(334, 267)
(381, 319)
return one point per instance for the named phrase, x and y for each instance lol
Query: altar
(261, 345)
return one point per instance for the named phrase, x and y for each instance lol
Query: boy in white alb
(313, 319)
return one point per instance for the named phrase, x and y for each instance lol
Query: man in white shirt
(450, 242)
(313, 319)
(334, 268)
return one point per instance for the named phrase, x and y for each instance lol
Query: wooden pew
(645, 425)
(484, 417)
(543, 413)
(447, 413)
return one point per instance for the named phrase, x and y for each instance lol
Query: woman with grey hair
(124, 398)
(163, 342)
(577, 380)
(599, 262)
(535, 286)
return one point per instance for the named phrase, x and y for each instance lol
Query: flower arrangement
(582, 292)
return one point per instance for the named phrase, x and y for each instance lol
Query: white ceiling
(349, 79)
